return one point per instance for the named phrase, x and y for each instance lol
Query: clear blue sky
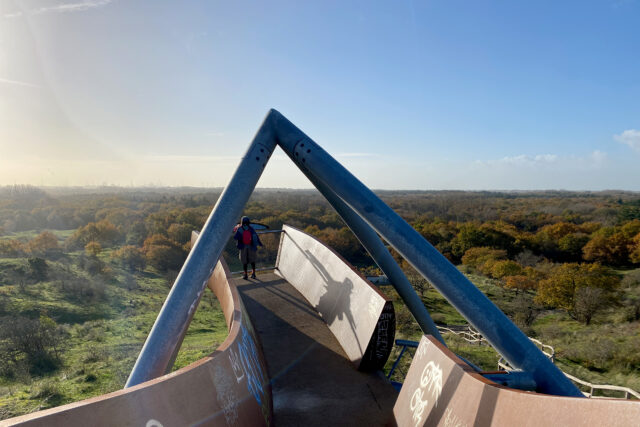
(406, 94)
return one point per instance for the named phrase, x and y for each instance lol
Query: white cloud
(598, 157)
(74, 7)
(357, 155)
(191, 159)
(18, 83)
(631, 137)
(595, 159)
(523, 159)
(80, 6)
(214, 134)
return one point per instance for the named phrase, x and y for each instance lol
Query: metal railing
(628, 392)
(466, 332)
(268, 268)
(404, 344)
(592, 387)
(470, 335)
(474, 337)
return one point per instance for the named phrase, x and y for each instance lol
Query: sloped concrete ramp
(313, 381)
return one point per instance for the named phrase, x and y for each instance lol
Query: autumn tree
(130, 257)
(504, 268)
(11, 248)
(561, 241)
(93, 249)
(479, 257)
(562, 289)
(612, 249)
(43, 243)
(469, 236)
(634, 256)
(163, 253)
(103, 232)
(519, 283)
(613, 245)
(180, 233)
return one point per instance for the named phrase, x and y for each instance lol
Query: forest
(83, 272)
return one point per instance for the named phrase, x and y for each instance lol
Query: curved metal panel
(440, 389)
(360, 316)
(229, 387)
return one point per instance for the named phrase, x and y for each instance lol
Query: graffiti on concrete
(432, 380)
(383, 335)
(236, 365)
(452, 420)
(226, 394)
(430, 386)
(245, 362)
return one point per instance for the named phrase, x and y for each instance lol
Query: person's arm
(255, 236)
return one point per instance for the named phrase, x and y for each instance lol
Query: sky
(429, 95)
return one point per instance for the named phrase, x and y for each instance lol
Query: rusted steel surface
(357, 313)
(442, 390)
(229, 387)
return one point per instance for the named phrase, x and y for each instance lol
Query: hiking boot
(245, 276)
(253, 275)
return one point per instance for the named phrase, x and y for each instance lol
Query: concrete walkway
(313, 382)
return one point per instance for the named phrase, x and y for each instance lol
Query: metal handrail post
(163, 342)
(452, 284)
(380, 254)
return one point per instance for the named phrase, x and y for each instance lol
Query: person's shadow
(335, 303)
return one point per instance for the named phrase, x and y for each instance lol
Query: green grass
(605, 352)
(104, 336)
(30, 234)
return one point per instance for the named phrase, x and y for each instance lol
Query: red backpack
(246, 237)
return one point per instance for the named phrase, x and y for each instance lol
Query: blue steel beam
(163, 342)
(494, 325)
(381, 256)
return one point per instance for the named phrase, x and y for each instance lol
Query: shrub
(38, 268)
(34, 341)
(130, 257)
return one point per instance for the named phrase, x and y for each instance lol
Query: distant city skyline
(436, 95)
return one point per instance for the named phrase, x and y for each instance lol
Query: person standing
(248, 242)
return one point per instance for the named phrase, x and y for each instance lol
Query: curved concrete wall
(230, 387)
(442, 390)
(357, 313)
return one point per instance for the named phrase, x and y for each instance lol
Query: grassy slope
(589, 352)
(104, 337)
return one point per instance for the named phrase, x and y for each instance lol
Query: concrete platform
(313, 382)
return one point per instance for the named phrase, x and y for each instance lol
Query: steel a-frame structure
(368, 217)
